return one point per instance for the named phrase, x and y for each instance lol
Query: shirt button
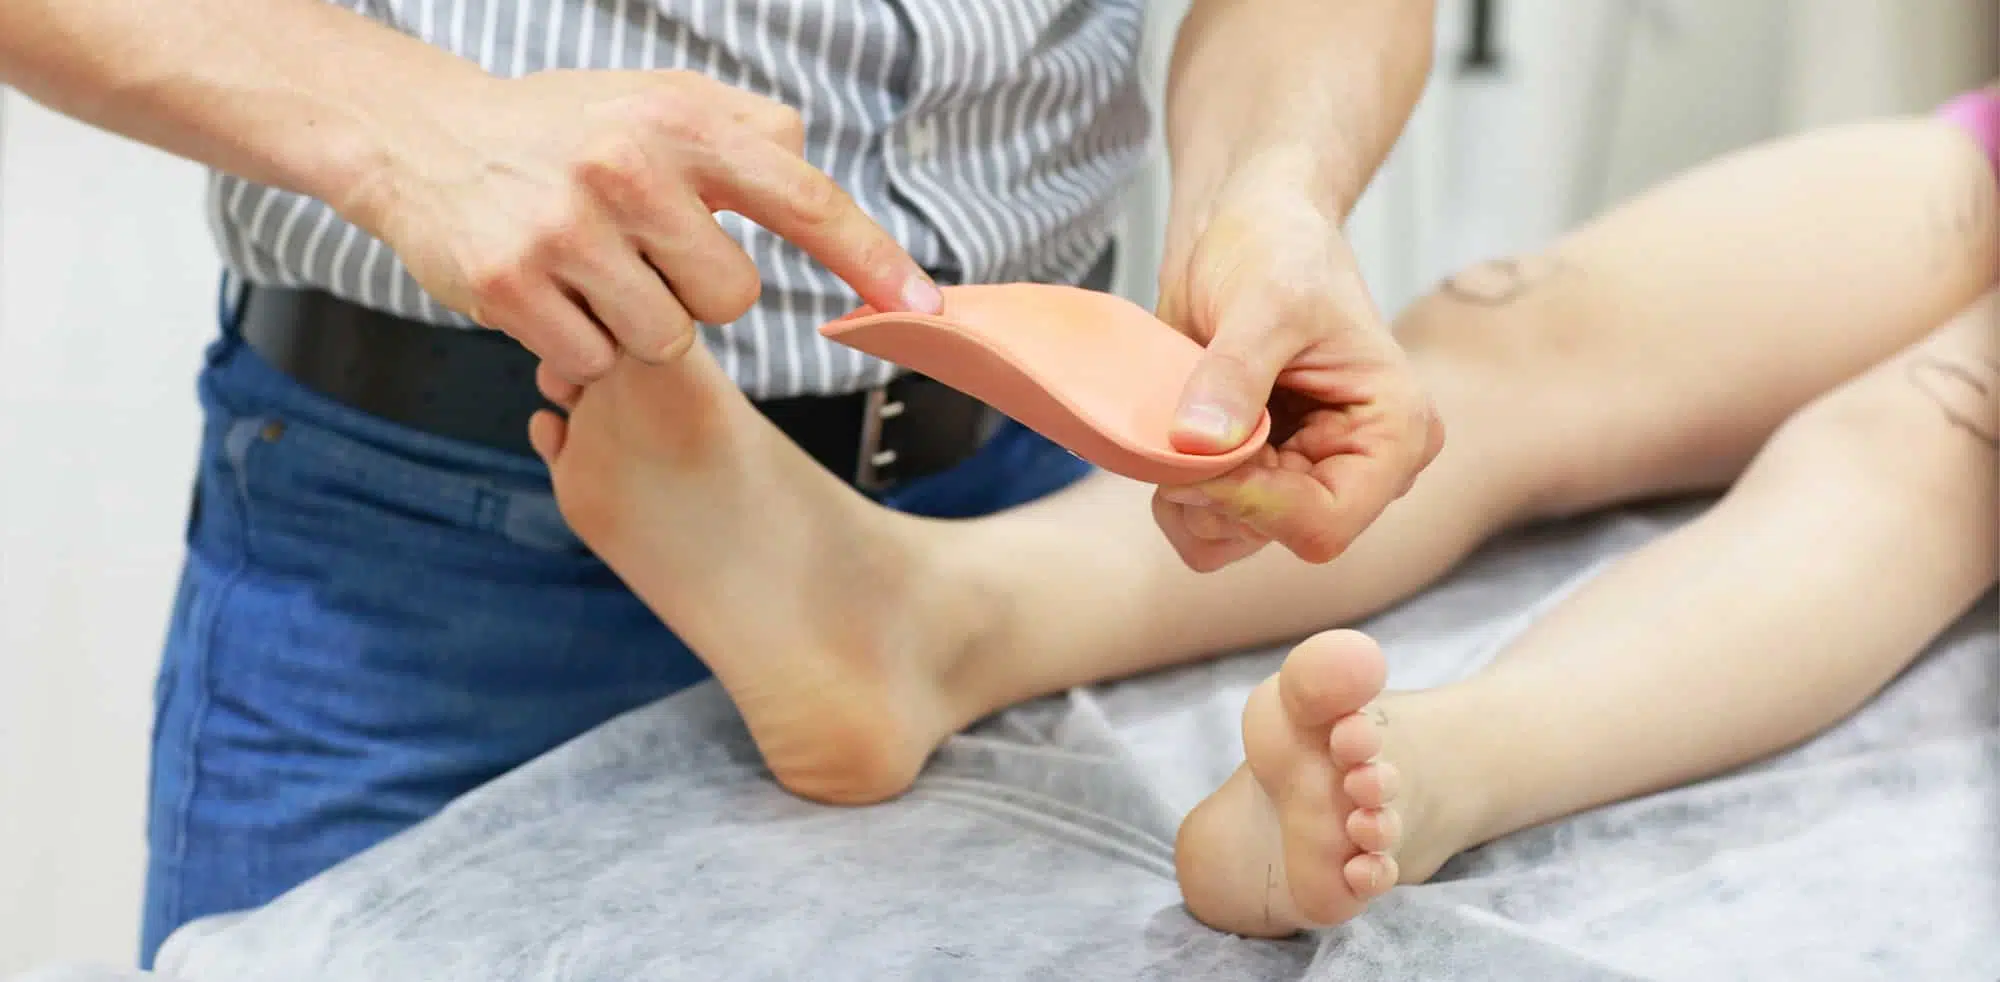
(922, 141)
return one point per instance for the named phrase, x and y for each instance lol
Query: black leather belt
(479, 387)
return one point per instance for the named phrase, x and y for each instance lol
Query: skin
(846, 709)
(1963, 384)
(572, 210)
(1268, 156)
(1862, 529)
(1721, 329)
(1963, 389)
(1679, 337)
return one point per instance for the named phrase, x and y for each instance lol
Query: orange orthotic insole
(1095, 373)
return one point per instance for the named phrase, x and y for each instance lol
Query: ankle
(978, 627)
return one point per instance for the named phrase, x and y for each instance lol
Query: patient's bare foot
(1320, 819)
(829, 621)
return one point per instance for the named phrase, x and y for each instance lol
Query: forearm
(297, 94)
(1844, 229)
(1314, 90)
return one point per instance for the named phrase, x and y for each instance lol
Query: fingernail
(922, 296)
(1210, 421)
(1191, 497)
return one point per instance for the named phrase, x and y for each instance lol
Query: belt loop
(230, 292)
(871, 463)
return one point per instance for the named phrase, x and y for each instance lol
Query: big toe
(1331, 675)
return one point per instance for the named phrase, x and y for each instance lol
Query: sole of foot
(833, 623)
(1316, 823)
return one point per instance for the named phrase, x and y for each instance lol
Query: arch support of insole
(1095, 373)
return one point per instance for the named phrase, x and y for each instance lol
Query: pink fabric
(1979, 113)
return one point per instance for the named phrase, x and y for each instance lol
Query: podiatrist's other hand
(574, 211)
(1266, 281)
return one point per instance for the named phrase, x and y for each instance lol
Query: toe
(1370, 874)
(1329, 676)
(1375, 829)
(1372, 785)
(1354, 740)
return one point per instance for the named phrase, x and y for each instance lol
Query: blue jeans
(372, 621)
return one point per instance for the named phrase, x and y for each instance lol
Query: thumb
(1229, 388)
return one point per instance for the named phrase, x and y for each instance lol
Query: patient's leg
(1652, 351)
(1867, 525)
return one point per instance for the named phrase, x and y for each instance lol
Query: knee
(1470, 322)
(1883, 439)
(1510, 347)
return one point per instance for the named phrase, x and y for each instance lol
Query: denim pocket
(301, 481)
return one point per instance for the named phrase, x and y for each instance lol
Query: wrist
(1283, 175)
(369, 162)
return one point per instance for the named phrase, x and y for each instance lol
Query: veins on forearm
(1965, 390)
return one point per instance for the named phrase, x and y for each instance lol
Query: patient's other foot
(818, 612)
(1319, 820)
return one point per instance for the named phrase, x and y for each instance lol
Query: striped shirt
(991, 137)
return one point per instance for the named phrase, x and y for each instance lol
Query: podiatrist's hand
(574, 211)
(1266, 281)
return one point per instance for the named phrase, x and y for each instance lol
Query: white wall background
(106, 276)
(106, 297)
(1599, 98)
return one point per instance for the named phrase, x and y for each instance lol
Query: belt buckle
(872, 464)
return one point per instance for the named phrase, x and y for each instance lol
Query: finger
(1237, 533)
(768, 117)
(1407, 432)
(1213, 525)
(713, 278)
(796, 201)
(547, 433)
(556, 389)
(551, 325)
(676, 234)
(1231, 383)
(777, 122)
(1336, 480)
(1202, 516)
(1208, 524)
(1199, 554)
(1361, 489)
(627, 296)
(1317, 514)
